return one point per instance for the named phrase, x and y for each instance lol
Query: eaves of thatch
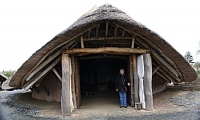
(168, 63)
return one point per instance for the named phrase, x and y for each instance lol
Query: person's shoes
(125, 106)
(120, 106)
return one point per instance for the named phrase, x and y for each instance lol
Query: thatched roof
(67, 38)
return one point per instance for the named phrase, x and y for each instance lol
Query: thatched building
(89, 54)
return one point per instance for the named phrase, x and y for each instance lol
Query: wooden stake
(148, 82)
(65, 99)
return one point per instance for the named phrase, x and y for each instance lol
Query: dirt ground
(168, 105)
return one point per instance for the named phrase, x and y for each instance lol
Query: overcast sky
(26, 25)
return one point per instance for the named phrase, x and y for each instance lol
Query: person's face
(122, 72)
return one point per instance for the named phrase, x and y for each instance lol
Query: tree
(198, 51)
(8, 73)
(189, 57)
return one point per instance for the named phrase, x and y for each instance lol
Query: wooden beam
(65, 99)
(37, 69)
(73, 83)
(57, 74)
(131, 80)
(148, 82)
(89, 33)
(107, 50)
(160, 51)
(43, 73)
(135, 75)
(160, 59)
(123, 33)
(115, 32)
(133, 42)
(154, 71)
(97, 31)
(140, 72)
(82, 43)
(50, 51)
(107, 38)
(77, 82)
(106, 34)
(44, 57)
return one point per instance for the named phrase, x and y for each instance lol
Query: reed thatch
(67, 38)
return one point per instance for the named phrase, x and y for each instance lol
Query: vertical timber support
(148, 82)
(65, 99)
(136, 98)
(73, 83)
(77, 83)
(140, 70)
(131, 80)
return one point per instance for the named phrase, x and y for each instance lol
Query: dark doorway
(98, 75)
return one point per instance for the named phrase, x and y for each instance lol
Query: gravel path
(169, 105)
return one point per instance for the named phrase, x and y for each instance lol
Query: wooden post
(77, 82)
(135, 78)
(82, 43)
(106, 34)
(148, 82)
(133, 42)
(73, 83)
(140, 70)
(131, 80)
(65, 99)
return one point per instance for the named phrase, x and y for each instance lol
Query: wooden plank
(148, 82)
(106, 34)
(140, 71)
(131, 80)
(65, 99)
(73, 83)
(82, 43)
(42, 74)
(133, 42)
(57, 74)
(135, 75)
(108, 50)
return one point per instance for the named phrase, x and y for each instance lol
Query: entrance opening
(97, 79)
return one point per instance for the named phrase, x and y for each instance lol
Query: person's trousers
(123, 99)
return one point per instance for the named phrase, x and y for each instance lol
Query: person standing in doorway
(121, 87)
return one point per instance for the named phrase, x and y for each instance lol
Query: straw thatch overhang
(105, 27)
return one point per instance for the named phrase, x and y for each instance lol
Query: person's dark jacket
(121, 82)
